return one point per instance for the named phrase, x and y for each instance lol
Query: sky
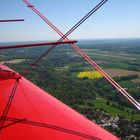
(115, 19)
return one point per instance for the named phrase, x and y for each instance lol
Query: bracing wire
(8, 104)
(50, 126)
(62, 36)
(87, 58)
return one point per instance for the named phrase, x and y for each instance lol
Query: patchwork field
(111, 72)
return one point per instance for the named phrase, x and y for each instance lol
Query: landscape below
(68, 77)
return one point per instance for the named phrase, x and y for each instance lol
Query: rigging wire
(12, 95)
(86, 57)
(8, 104)
(14, 122)
(62, 35)
(54, 127)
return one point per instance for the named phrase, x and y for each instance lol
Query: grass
(117, 65)
(127, 84)
(100, 103)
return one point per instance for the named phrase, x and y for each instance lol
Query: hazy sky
(116, 19)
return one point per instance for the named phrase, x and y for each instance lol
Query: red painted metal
(89, 60)
(34, 114)
(6, 74)
(36, 44)
(12, 20)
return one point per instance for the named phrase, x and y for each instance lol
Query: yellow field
(89, 74)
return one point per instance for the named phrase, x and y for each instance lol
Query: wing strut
(36, 44)
(86, 57)
(11, 20)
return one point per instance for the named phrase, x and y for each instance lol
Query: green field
(100, 103)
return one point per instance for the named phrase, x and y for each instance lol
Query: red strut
(36, 44)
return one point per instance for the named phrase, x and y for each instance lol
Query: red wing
(34, 114)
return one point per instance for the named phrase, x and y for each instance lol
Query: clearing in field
(89, 74)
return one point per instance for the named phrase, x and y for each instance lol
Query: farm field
(89, 74)
(100, 103)
(111, 72)
(121, 72)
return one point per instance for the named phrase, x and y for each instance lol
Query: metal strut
(87, 58)
(36, 44)
(12, 20)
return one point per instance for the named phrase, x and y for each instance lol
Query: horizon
(79, 40)
(107, 23)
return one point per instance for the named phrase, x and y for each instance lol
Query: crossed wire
(84, 55)
(50, 126)
(62, 36)
(9, 102)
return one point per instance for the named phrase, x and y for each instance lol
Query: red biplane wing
(34, 114)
